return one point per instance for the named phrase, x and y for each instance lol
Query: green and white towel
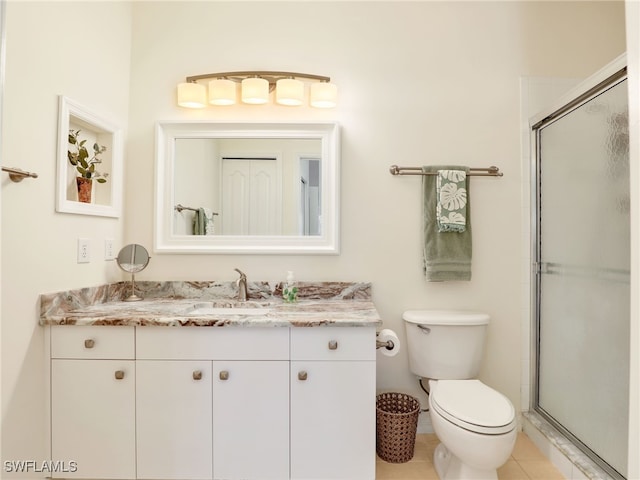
(446, 255)
(451, 204)
(203, 222)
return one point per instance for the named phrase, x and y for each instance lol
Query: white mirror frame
(165, 241)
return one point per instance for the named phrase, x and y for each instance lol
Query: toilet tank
(445, 344)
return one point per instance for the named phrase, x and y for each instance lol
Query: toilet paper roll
(387, 335)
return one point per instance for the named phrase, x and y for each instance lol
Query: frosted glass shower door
(583, 274)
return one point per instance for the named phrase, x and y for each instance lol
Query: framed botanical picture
(89, 162)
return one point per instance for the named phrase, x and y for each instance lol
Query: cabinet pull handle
(89, 343)
(333, 344)
(119, 374)
(302, 375)
(197, 375)
(224, 375)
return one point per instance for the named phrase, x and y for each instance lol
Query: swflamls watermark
(44, 466)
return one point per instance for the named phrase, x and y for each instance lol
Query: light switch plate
(109, 254)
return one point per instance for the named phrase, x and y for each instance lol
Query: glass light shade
(255, 91)
(192, 95)
(289, 92)
(323, 95)
(222, 92)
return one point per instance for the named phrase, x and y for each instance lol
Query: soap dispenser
(290, 290)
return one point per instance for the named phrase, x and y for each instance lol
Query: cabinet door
(93, 417)
(173, 418)
(333, 423)
(251, 420)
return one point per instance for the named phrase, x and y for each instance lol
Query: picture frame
(106, 157)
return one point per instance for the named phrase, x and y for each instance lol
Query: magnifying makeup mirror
(133, 258)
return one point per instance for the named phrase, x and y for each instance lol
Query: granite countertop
(172, 304)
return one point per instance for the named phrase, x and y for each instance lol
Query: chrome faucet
(242, 286)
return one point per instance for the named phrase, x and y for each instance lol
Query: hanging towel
(447, 255)
(200, 222)
(208, 227)
(451, 200)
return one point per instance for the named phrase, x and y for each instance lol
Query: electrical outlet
(109, 254)
(84, 253)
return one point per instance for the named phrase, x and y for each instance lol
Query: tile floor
(526, 463)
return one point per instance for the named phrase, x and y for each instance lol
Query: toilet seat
(474, 406)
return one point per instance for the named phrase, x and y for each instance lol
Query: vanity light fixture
(255, 87)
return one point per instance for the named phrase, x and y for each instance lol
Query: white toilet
(475, 424)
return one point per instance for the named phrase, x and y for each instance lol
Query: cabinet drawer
(212, 343)
(92, 342)
(333, 343)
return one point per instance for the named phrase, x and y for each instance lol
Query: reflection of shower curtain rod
(180, 208)
(480, 172)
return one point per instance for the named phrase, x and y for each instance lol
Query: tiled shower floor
(526, 463)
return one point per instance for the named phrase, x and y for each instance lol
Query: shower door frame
(606, 78)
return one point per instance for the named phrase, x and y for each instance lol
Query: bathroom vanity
(176, 387)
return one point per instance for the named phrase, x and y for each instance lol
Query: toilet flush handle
(424, 329)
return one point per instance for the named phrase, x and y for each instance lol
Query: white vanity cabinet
(207, 403)
(333, 424)
(93, 401)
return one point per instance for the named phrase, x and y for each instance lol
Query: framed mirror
(247, 188)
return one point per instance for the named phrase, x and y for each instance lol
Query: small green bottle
(290, 290)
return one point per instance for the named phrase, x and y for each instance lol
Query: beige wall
(80, 50)
(420, 83)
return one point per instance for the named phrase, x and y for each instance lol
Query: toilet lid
(474, 406)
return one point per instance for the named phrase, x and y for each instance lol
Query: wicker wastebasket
(396, 425)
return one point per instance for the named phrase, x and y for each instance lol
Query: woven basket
(396, 425)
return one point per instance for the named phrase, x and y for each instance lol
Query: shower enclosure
(581, 271)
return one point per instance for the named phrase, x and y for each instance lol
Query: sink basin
(215, 308)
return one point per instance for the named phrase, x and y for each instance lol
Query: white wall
(80, 50)
(420, 83)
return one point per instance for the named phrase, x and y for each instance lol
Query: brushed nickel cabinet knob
(119, 375)
(89, 343)
(197, 375)
(302, 375)
(333, 344)
(224, 375)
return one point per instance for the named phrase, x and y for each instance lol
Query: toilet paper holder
(380, 344)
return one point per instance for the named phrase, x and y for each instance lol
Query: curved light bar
(255, 89)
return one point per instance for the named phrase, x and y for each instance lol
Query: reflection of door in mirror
(310, 206)
(250, 196)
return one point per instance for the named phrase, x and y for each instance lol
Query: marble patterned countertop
(174, 304)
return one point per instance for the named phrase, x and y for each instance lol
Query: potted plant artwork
(85, 164)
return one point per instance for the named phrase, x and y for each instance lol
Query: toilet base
(449, 467)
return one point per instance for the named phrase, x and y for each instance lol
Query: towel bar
(180, 208)
(492, 171)
(17, 175)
